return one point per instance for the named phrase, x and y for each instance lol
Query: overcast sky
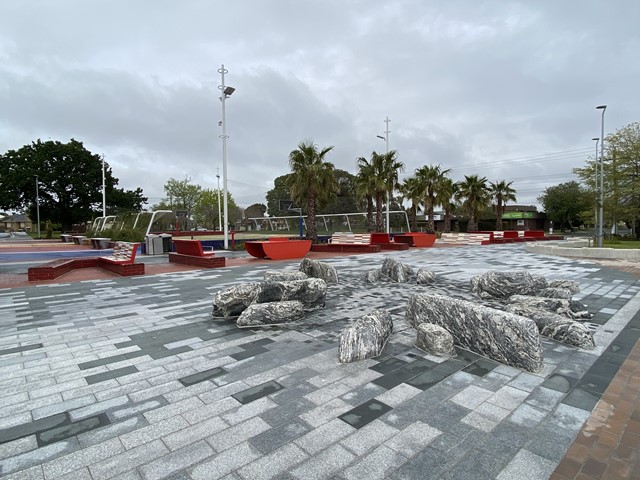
(502, 89)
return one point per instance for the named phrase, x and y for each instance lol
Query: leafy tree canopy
(69, 183)
(565, 203)
(255, 210)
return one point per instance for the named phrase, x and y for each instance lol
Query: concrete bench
(278, 248)
(122, 263)
(191, 252)
(416, 239)
(100, 243)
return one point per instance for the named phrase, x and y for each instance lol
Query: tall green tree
(565, 204)
(345, 199)
(447, 191)
(382, 171)
(182, 194)
(312, 182)
(412, 190)
(280, 192)
(430, 178)
(621, 177)
(69, 183)
(501, 193)
(473, 193)
(205, 209)
(365, 185)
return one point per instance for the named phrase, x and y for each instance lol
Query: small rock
(283, 276)
(316, 269)
(274, 313)
(434, 339)
(366, 337)
(372, 276)
(425, 277)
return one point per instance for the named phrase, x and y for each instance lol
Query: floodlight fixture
(228, 91)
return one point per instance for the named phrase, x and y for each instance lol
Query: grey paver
(128, 460)
(175, 461)
(194, 433)
(225, 462)
(237, 434)
(274, 464)
(325, 464)
(413, 439)
(82, 458)
(375, 465)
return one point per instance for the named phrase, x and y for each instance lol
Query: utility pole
(219, 214)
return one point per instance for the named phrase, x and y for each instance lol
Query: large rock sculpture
(556, 327)
(561, 306)
(274, 313)
(434, 339)
(504, 284)
(571, 285)
(232, 301)
(283, 276)
(366, 337)
(395, 271)
(316, 269)
(502, 336)
(425, 276)
(555, 292)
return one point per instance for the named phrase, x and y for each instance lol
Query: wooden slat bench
(122, 263)
(190, 252)
(278, 248)
(455, 238)
(348, 243)
(416, 239)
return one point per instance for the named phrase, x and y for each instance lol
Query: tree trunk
(447, 222)
(471, 226)
(414, 214)
(312, 233)
(499, 217)
(379, 212)
(431, 228)
(370, 225)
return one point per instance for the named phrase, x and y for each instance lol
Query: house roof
(17, 218)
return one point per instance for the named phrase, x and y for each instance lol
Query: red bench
(348, 243)
(190, 252)
(122, 263)
(278, 248)
(416, 239)
(386, 242)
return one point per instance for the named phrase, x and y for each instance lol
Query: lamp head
(601, 107)
(381, 137)
(597, 139)
(228, 91)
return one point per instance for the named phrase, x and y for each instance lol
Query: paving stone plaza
(132, 378)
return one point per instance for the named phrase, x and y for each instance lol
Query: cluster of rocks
(281, 298)
(548, 304)
(394, 271)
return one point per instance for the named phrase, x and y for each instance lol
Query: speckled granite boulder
(501, 336)
(274, 313)
(571, 285)
(311, 292)
(316, 269)
(283, 276)
(395, 271)
(425, 277)
(555, 292)
(366, 337)
(561, 306)
(556, 327)
(234, 300)
(504, 284)
(434, 339)
(372, 276)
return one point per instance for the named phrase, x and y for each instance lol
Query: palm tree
(430, 178)
(474, 194)
(412, 190)
(365, 187)
(447, 191)
(312, 181)
(501, 193)
(385, 174)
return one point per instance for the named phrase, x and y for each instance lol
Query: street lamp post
(226, 92)
(597, 140)
(219, 206)
(601, 224)
(104, 191)
(386, 139)
(38, 204)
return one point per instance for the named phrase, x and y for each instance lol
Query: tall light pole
(38, 204)
(104, 191)
(601, 224)
(219, 206)
(226, 92)
(597, 140)
(386, 139)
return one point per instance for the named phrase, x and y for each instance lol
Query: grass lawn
(627, 244)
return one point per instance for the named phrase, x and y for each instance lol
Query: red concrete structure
(416, 239)
(190, 252)
(278, 248)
